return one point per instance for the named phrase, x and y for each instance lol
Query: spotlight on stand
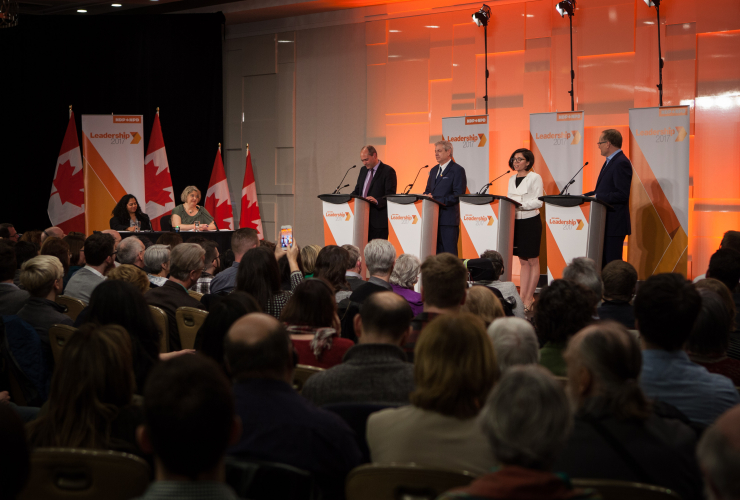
(568, 7)
(481, 18)
(656, 4)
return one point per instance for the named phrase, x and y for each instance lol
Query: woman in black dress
(126, 213)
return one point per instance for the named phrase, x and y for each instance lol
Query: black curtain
(102, 65)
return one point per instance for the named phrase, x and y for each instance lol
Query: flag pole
(157, 110)
(70, 111)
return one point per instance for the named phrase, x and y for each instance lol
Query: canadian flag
(250, 215)
(158, 194)
(218, 200)
(67, 201)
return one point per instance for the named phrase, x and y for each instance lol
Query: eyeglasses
(602, 142)
(518, 160)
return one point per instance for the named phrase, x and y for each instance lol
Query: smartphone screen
(286, 236)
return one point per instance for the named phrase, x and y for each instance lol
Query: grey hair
(185, 258)
(155, 257)
(406, 271)
(354, 255)
(445, 144)
(514, 342)
(720, 462)
(582, 270)
(187, 191)
(129, 249)
(527, 418)
(380, 256)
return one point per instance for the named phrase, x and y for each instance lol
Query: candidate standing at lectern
(613, 187)
(446, 182)
(376, 180)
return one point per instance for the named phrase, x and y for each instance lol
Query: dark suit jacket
(613, 187)
(12, 299)
(383, 183)
(119, 225)
(445, 190)
(169, 297)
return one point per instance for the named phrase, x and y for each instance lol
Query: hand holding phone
(286, 236)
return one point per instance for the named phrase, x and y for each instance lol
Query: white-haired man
(446, 182)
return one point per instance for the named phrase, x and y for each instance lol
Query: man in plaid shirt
(203, 285)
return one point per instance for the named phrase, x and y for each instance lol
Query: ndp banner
(556, 140)
(567, 237)
(404, 227)
(113, 154)
(469, 138)
(479, 228)
(659, 197)
(339, 223)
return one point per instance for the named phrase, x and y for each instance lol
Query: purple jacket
(412, 297)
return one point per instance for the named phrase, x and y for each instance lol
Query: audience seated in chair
(157, 264)
(454, 371)
(507, 288)
(526, 421)
(724, 266)
(353, 274)
(186, 264)
(242, 240)
(666, 308)
(259, 276)
(189, 422)
(131, 251)
(279, 425)
(719, 456)
(331, 266)
(582, 270)
(616, 433)
(100, 257)
(14, 454)
(130, 274)
(12, 298)
(404, 278)
(203, 285)
(375, 370)
(51, 232)
(23, 251)
(514, 343)
(77, 255)
(308, 260)
(57, 247)
(620, 279)
(482, 301)
(380, 256)
(562, 309)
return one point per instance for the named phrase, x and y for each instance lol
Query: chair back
(78, 474)
(301, 374)
(59, 335)
(165, 223)
(162, 324)
(189, 321)
(197, 296)
(395, 481)
(618, 490)
(258, 480)
(355, 415)
(74, 306)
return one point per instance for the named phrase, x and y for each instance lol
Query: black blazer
(613, 187)
(444, 189)
(118, 225)
(384, 183)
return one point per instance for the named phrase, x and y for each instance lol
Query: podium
(575, 228)
(346, 220)
(487, 223)
(412, 224)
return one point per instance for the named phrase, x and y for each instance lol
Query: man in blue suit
(613, 187)
(446, 182)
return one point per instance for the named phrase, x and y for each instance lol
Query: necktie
(367, 187)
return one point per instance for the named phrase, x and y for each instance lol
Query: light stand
(568, 7)
(656, 3)
(481, 18)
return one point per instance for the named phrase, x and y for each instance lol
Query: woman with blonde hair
(189, 213)
(131, 274)
(308, 260)
(454, 371)
(482, 302)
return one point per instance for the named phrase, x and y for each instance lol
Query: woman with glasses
(526, 187)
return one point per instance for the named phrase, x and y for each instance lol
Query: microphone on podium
(336, 191)
(572, 179)
(410, 186)
(482, 190)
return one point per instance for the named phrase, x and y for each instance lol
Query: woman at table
(526, 187)
(189, 212)
(126, 213)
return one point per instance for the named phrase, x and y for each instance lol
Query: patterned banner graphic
(339, 223)
(404, 227)
(479, 224)
(567, 236)
(469, 138)
(557, 143)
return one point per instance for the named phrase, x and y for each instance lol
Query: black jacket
(384, 183)
(613, 187)
(119, 225)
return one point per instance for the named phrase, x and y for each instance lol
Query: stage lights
(656, 4)
(482, 17)
(652, 3)
(566, 7)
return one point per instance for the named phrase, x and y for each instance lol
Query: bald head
(115, 234)
(719, 456)
(258, 346)
(385, 318)
(52, 231)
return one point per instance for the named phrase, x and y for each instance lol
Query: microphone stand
(336, 191)
(572, 179)
(489, 184)
(410, 186)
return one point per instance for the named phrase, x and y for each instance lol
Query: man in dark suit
(376, 180)
(446, 182)
(613, 187)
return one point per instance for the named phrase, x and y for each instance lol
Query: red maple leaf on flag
(221, 213)
(155, 184)
(69, 185)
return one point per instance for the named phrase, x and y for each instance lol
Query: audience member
(620, 279)
(243, 239)
(514, 343)
(354, 267)
(582, 270)
(331, 266)
(57, 248)
(15, 462)
(724, 265)
(455, 369)
(8, 232)
(33, 237)
(308, 260)
(380, 256)
(99, 254)
(731, 240)
(76, 255)
(203, 285)
(733, 349)
(90, 399)
(311, 318)
(719, 457)
(666, 308)
(258, 275)
(404, 278)
(51, 231)
(131, 251)
(131, 274)
(375, 370)
(280, 425)
(186, 264)
(562, 309)
(507, 288)
(12, 298)
(614, 420)
(157, 263)
(116, 237)
(23, 251)
(171, 240)
(482, 302)
(189, 422)
(526, 422)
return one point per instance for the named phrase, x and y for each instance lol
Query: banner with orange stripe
(469, 137)
(339, 226)
(113, 157)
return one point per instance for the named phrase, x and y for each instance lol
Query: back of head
(308, 258)
(731, 240)
(189, 414)
(711, 333)
(170, 239)
(406, 271)
(444, 280)
(331, 265)
(39, 274)
(155, 256)
(15, 462)
(211, 248)
(386, 314)
(619, 279)
(121, 303)
(58, 248)
(724, 265)
(720, 289)
(527, 418)
(312, 304)
(563, 308)
(185, 258)
(613, 358)
(258, 275)
(482, 302)
(454, 367)
(666, 307)
(8, 262)
(718, 453)
(583, 270)
(24, 251)
(353, 257)
(33, 237)
(130, 274)
(221, 315)
(5, 228)
(496, 260)
(98, 247)
(514, 342)
(258, 346)
(243, 239)
(129, 250)
(380, 255)
(76, 244)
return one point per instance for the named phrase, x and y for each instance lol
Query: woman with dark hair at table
(127, 213)
(186, 215)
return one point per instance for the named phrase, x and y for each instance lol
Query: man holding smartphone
(376, 180)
